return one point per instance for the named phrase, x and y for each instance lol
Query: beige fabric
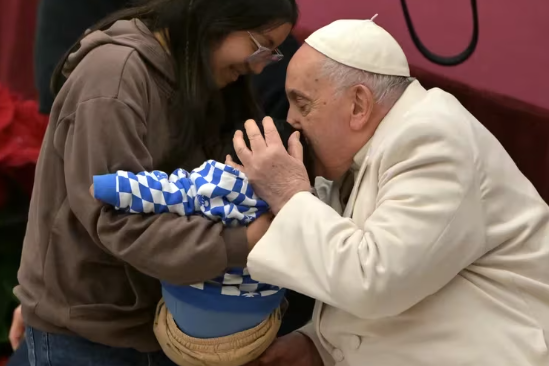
(439, 257)
(361, 44)
(234, 350)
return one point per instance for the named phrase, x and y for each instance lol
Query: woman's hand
(17, 330)
(92, 191)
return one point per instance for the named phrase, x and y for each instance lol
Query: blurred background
(505, 84)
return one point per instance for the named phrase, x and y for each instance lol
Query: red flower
(22, 130)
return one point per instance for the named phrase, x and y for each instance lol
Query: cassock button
(354, 342)
(338, 355)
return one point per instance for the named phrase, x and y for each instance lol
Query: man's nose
(293, 121)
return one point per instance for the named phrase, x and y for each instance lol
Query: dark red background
(505, 84)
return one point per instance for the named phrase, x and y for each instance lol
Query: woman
(157, 86)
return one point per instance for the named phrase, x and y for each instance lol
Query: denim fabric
(20, 356)
(47, 349)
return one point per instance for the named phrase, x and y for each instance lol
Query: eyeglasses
(264, 54)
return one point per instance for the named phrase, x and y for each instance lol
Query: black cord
(443, 60)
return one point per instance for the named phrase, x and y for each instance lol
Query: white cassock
(440, 257)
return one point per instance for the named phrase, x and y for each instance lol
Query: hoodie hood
(128, 33)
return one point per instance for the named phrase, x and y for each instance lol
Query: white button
(338, 355)
(354, 342)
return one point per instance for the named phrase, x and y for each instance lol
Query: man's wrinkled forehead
(303, 73)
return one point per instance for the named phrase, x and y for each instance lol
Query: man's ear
(363, 106)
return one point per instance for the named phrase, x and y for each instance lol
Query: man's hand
(258, 228)
(294, 349)
(275, 174)
(17, 330)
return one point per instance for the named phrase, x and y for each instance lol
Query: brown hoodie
(86, 269)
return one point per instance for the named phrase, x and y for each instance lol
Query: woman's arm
(105, 135)
(214, 190)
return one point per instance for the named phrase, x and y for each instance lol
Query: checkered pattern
(214, 190)
(237, 282)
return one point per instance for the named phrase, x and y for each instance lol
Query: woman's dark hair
(194, 28)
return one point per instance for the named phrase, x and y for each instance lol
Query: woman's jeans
(48, 349)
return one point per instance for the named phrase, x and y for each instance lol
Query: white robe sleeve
(426, 228)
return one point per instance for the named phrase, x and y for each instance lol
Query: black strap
(443, 60)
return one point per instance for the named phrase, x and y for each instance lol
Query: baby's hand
(92, 191)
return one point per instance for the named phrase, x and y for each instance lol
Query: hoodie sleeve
(105, 135)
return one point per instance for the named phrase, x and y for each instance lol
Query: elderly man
(430, 248)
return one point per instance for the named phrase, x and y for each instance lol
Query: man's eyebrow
(296, 93)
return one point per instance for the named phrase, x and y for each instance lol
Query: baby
(229, 320)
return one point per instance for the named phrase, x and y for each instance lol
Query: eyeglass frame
(273, 55)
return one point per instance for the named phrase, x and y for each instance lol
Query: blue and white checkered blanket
(214, 190)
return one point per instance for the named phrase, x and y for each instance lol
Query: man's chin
(324, 171)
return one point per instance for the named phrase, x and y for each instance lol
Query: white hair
(381, 86)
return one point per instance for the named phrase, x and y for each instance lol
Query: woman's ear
(363, 105)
